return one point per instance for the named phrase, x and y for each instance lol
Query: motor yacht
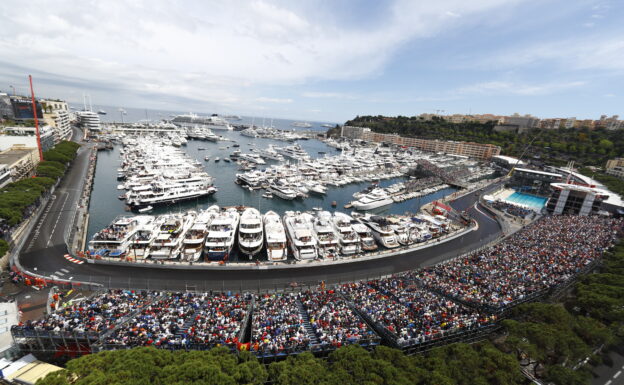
(254, 158)
(282, 191)
(193, 244)
(382, 230)
(300, 232)
(250, 232)
(325, 235)
(367, 240)
(375, 199)
(142, 239)
(114, 240)
(348, 238)
(171, 230)
(221, 235)
(275, 235)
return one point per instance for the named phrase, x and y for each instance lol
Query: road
(612, 374)
(43, 254)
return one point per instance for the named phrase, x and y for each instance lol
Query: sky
(325, 60)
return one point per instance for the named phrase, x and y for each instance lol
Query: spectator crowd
(412, 308)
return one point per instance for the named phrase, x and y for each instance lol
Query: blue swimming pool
(531, 201)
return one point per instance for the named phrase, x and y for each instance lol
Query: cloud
(328, 95)
(215, 52)
(516, 88)
(584, 53)
(274, 100)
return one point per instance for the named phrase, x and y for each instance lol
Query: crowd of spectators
(95, 314)
(220, 320)
(512, 209)
(411, 314)
(545, 254)
(333, 320)
(278, 326)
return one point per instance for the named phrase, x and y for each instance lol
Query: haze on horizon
(321, 60)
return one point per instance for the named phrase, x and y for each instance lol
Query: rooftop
(14, 154)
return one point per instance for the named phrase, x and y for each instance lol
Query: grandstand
(458, 300)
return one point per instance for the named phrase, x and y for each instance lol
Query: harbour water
(105, 205)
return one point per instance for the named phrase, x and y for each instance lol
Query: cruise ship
(213, 122)
(250, 232)
(348, 238)
(115, 239)
(221, 235)
(382, 230)
(300, 232)
(375, 199)
(275, 235)
(89, 120)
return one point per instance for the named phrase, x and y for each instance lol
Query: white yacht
(270, 153)
(171, 230)
(316, 187)
(142, 239)
(283, 192)
(299, 230)
(254, 158)
(376, 198)
(250, 232)
(301, 124)
(115, 239)
(325, 235)
(193, 244)
(367, 240)
(295, 152)
(221, 235)
(348, 238)
(382, 230)
(275, 237)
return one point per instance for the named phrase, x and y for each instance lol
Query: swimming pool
(531, 201)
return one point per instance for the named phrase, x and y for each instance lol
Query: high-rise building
(56, 114)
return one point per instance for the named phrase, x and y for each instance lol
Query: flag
(243, 346)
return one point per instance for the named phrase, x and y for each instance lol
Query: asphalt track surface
(43, 254)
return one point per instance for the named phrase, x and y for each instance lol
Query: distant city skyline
(322, 61)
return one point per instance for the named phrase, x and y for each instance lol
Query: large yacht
(171, 230)
(382, 230)
(325, 235)
(294, 152)
(160, 194)
(193, 244)
(275, 237)
(254, 158)
(142, 239)
(367, 240)
(115, 239)
(250, 233)
(213, 122)
(299, 229)
(221, 235)
(376, 198)
(270, 153)
(283, 191)
(348, 238)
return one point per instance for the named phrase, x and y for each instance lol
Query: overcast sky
(321, 60)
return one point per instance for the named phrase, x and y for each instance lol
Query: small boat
(122, 197)
(200, 148)
(321, 152)
(146, 209)
(227, 159)
(267, 195)
(236, 145)
(217, 159)
(206, 158)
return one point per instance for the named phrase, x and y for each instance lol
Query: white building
(27, 137)
(9, 316)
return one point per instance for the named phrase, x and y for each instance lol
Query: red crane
(34, 107)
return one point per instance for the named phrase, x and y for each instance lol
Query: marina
(173, 173)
